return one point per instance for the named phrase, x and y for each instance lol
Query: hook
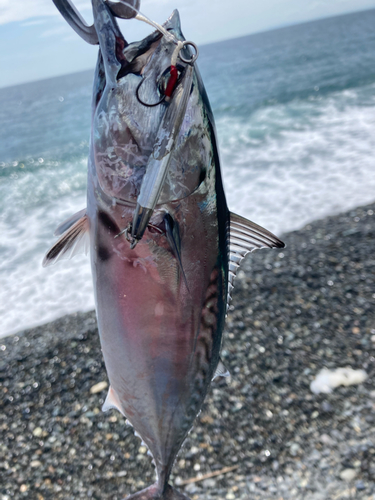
(145, 103)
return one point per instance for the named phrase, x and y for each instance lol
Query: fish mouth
(137, 54)
(120, 57)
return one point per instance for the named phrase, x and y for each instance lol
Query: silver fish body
(161, 306)
(160, 331)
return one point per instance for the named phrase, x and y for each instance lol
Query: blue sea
(295, 116)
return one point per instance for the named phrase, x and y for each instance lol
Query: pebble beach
(262, 433)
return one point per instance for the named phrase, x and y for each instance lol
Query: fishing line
(169, 36)
(141, 17)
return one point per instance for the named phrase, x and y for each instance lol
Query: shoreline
(293, 312)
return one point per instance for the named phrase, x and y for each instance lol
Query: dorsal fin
(74, 240)
(245, 237)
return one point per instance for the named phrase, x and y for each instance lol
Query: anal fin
(112, 402)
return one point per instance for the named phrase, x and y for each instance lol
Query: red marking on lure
(171, 82)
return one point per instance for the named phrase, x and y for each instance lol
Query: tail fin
(154, 493)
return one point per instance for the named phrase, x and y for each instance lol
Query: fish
(162, 292)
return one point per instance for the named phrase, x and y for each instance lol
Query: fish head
(129, 78)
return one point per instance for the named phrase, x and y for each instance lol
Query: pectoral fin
(74, 239)
(245, 237)
(64, 226)
(173, 238)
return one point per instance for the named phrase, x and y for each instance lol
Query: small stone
(23, 488)
(142, 449)
(348, 474)
(99, 387)
(326, 407)
(230, 496)
(209, 483)
(35, 463)
(325, 439)
(38, 431)
(294, 449)
(360, 485)
(191, 488)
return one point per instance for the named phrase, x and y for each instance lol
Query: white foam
(31, 207)
(30, 294)
(327, 380)
(283, 166)
(293, 163)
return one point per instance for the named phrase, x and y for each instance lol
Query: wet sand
(262, 433)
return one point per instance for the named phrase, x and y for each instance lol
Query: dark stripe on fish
(204, 345)
(108, 223)
(103, 254)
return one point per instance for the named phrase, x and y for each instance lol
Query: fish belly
(160, 334)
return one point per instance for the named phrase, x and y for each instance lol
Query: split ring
(194, 57)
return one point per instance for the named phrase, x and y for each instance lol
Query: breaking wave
(295, 114)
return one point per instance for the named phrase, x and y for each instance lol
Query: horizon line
(274, 28)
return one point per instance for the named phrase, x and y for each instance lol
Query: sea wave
(289, 164)
(295, 114)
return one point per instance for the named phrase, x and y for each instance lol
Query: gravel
(262, 433)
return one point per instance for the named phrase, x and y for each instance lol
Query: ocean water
(295, 115)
